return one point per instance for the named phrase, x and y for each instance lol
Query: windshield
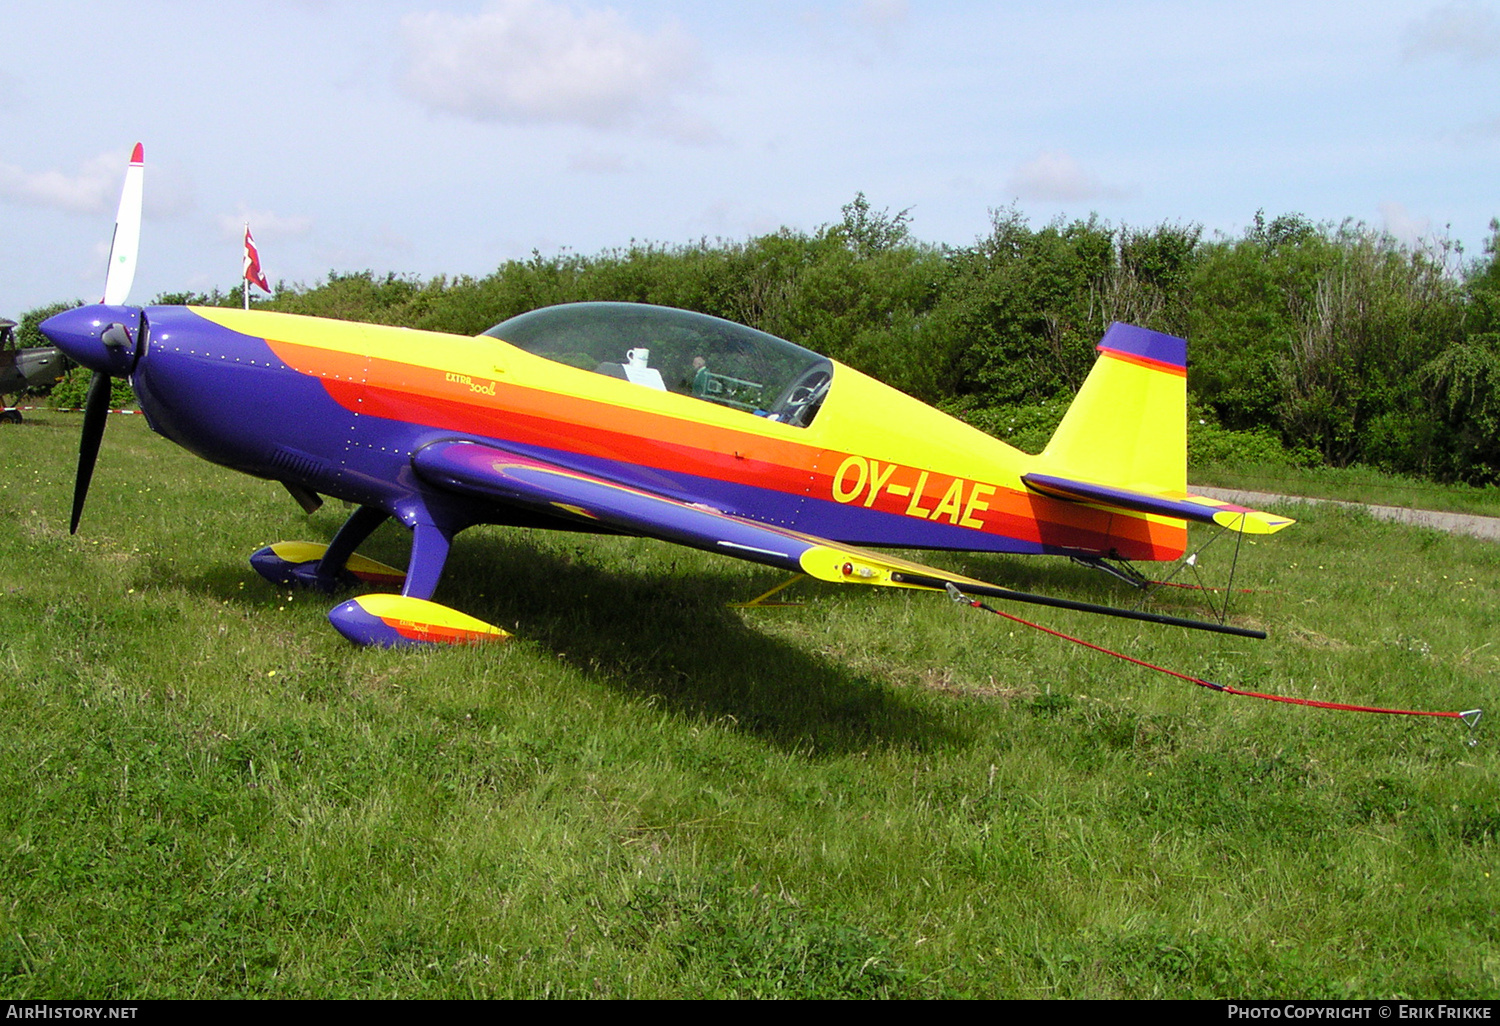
(693, 354)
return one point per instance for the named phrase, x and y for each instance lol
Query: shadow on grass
(655, 629)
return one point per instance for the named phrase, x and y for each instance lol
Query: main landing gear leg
(429, 554)
(360, 525)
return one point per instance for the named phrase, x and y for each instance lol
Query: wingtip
(137, 155)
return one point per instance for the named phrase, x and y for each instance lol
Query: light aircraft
(20, 369)
(638, 420)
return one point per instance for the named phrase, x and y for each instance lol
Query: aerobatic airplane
(639, 420)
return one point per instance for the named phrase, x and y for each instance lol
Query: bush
(1027, 427)
(71, 392)
(1210, 443)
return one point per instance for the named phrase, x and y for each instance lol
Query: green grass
(1352, 484)
(205, 792)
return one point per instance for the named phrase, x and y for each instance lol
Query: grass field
(207, 792)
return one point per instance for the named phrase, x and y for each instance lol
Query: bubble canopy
(692, 354)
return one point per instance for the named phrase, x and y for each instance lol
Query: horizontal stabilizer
(1198, 508)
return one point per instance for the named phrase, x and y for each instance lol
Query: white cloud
(263, 223)
(883, 17)
(1465, 30)
(1489, 129)
(540, 62)
(1403, 226)
(377, 247)
(864, 31)
(93, 189)
(10, 91)
(597, 162)
(686, 128)
(1054, 176)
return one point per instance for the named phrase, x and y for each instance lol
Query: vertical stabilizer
(1127, 427)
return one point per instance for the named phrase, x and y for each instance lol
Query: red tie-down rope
(1469, 716)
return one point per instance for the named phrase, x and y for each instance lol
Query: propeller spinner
(107, 338)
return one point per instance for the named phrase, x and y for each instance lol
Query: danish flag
(253, 273)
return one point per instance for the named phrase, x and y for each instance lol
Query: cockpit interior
(679, 351)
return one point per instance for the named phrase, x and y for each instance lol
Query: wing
(499, 475)
(1184, 507)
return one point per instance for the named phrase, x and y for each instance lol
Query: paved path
(1487, 528)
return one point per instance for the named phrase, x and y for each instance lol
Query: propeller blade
(95, 411)
(127, 240)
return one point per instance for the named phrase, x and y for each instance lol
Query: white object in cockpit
(637, 371)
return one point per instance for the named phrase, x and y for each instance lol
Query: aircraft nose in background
(101, 338)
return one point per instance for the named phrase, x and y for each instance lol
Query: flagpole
(245, 285)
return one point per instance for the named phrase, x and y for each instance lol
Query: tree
(867, 231)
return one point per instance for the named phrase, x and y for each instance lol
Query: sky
(444, 138)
